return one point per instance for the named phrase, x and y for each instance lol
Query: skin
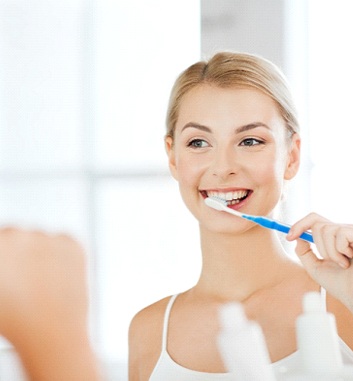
(44, 305)
(235, 140)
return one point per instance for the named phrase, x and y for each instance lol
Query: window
(330, 81)
(84, 87)
(83, 96)
(318, 63)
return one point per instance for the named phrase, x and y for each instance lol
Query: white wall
(83, 92)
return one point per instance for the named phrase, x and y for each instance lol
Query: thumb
(307, 257)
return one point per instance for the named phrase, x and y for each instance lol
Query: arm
(145, 339)
(44, 305)
(133, 350)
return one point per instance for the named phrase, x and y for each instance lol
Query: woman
(232, 132)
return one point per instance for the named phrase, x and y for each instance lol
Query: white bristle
(216, 203)
(221, 204)
(219, 199)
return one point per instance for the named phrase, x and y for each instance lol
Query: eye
(198, 143)
(249, 142)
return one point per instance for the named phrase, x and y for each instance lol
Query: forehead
(213, 105)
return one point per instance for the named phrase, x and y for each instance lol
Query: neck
(236, 266)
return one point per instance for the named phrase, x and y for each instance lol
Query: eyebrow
(238, 130)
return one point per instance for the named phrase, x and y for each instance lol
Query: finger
(344, 245)
(327, 243)
(307, 257)
(344, 241)
(324, 233)
(306, 223)
(311, 262)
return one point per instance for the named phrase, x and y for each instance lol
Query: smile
(232, 198)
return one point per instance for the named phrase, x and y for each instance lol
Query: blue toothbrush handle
(306, 236)
(272, 224)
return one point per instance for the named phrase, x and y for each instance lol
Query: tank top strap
(323, 297)
(166, 321)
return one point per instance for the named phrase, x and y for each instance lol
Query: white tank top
(167, 369)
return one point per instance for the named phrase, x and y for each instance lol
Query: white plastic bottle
(242, 346)
(317, 338)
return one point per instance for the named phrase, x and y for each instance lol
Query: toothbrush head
(216, 203)
(221, 205)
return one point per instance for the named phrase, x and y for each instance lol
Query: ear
(169, 147)
(293, 162)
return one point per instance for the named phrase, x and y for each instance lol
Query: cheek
(188, 173)
(270, 173)
(189, 177)
(268, 188)
(189, 170)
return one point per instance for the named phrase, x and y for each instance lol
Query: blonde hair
(226, 69)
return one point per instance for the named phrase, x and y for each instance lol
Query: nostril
(224, 174)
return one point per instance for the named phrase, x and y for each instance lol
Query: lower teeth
(233, 202)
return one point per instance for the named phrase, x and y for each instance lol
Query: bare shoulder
(148, 319)
(145, 340)
(344, 319)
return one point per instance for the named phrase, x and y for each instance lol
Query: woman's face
(231, 143)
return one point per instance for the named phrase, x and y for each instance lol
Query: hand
(334, 244)
(44, 304)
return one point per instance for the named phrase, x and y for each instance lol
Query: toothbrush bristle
(216, 202)
(219, 199)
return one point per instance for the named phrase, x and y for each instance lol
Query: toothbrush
(220, 204)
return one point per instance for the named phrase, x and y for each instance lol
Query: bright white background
(83, 94)
(84, 87)
(330, 108)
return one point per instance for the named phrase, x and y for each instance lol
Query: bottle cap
(232, 315)
(312, 302)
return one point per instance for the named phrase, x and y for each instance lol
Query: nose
(225, 163)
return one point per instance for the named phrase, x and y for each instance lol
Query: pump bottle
(318, 345)
(317, 338)
(242, 346)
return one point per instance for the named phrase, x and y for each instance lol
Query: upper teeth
(228, 195)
